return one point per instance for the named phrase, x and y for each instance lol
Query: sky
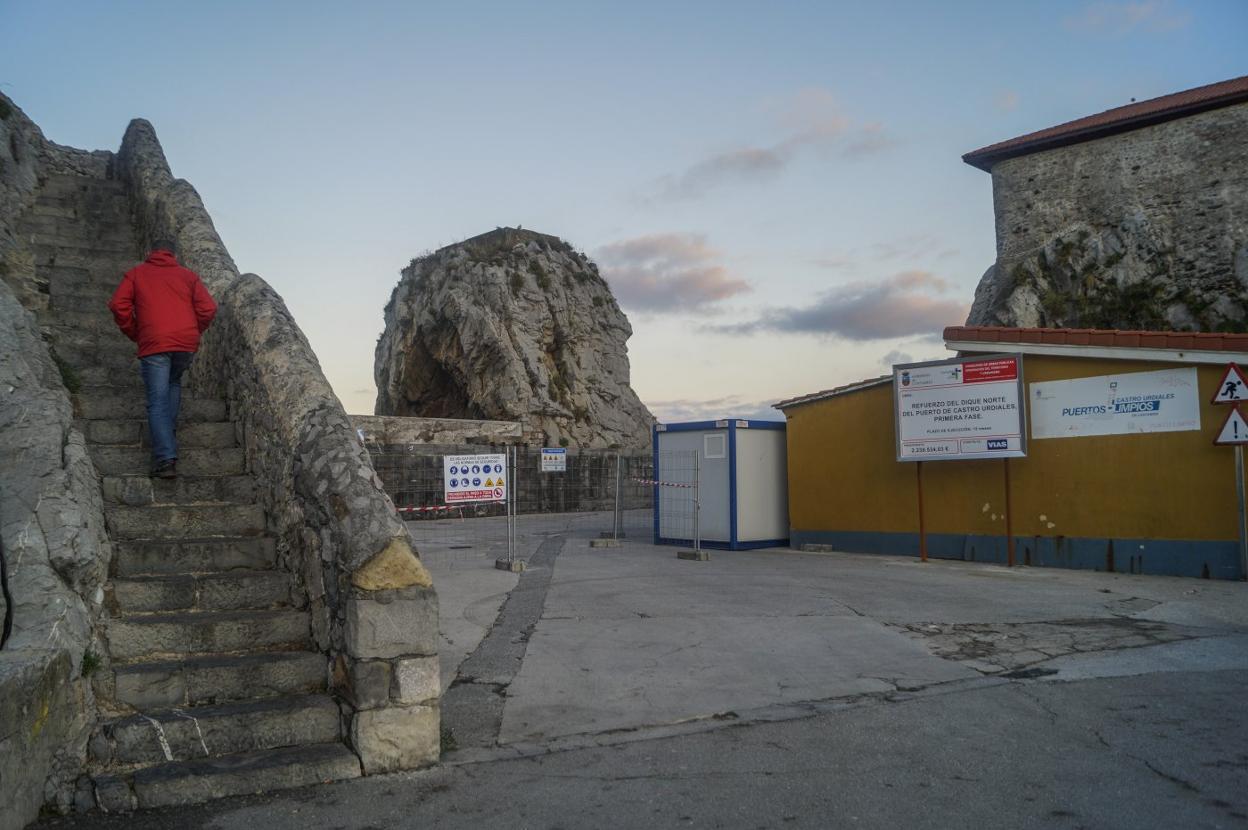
(774, 192)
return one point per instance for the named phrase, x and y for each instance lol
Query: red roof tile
(1117, 120)
(1187, 340)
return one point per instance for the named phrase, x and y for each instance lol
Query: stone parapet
(398, 429)
(338, 533)
(52, 537)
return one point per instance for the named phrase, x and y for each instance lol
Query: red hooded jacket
(162, 306)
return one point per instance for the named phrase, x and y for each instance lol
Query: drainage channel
(472, 708)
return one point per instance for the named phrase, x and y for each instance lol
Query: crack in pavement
(472, 708)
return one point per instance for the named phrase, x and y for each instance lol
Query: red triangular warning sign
(1233, 388)
(1234, 430)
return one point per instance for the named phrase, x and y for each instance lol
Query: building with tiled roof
(1135, 218)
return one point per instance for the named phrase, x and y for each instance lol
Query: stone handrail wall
(51, 512)
(373, 606)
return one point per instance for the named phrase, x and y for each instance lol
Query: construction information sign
(554, 460)
(474, 478)
(1162, 401)
(965, 408)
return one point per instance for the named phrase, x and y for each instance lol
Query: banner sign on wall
(965, 408)
(468, 478)
(1139, 402)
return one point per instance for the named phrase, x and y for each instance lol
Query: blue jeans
(162, 375)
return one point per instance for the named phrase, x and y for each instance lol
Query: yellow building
(1154, 502)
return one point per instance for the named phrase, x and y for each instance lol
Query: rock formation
(1143, 229)
(511, 325)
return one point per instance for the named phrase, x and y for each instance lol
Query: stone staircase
(212, 687)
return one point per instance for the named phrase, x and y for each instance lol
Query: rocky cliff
(511, 325)
(1147, 229)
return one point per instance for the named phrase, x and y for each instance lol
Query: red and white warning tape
(434, 509)
(654, 483)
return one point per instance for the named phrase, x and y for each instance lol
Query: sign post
(967, 408)
(1234, 432)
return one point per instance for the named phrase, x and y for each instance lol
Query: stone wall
(392, 430)
(374, 607)
(52, 534)
(1144, 229)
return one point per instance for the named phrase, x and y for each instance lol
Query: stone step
(205, 680)
(214, 731)
(78, 289)
(109, 230)
(113, 461)
(138, 490)
(138, 557)
(135, 433)
(184, 522)
(231, 591)
(111, 381)
(84, 303)
(194, 782)
(115, 259)
(87, 323)
(74, 183)
(119, 359)
(133, 407)
(206, 632)
(72, 210)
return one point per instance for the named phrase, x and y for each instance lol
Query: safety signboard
(554, 460)
(468, 478)
(1234, 429)
(1233, 388)
(965, 408)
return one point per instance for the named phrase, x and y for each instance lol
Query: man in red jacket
(164, 308)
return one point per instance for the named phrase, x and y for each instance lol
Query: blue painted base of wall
(1161, 557)
(688, 543)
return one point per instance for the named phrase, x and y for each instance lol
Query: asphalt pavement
(623, 687)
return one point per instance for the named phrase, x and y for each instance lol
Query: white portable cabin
(742, 483)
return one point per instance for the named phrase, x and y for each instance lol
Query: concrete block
(403, 625)
(416, 680)
(514, 566)
(397, 738)
(604, 543)
(369, 684)
(693, 555)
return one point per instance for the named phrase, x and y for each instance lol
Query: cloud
(1155, 16)
(842, 262)
(896, 356)
(914, 246)
(673, 272)
(1006, 100)
(732, 406)
(750, 164)
(810, 121)
(902, 305)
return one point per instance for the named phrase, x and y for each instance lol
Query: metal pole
(1243, 511)
(511, 492)
(918, 477)
(697, 503)
(616, 520)
(1009, 522)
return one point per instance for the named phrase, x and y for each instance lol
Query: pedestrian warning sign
(1234, 429)
(469, 478)
(1233, 388)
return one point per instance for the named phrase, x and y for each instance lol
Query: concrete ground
(623, 687)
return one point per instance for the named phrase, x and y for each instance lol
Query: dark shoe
(166, 469)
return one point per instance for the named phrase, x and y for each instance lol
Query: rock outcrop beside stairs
(511, 325)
